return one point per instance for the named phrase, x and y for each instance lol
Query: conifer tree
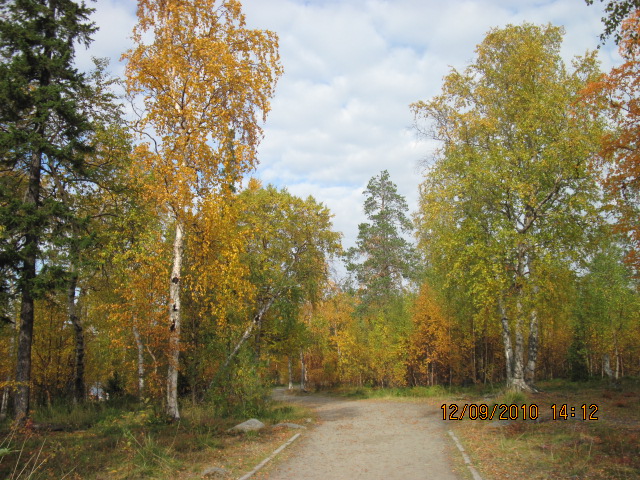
(43, 136)
(387, 258)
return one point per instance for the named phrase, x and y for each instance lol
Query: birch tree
(287, 253)
(205, 81)
(509, 187)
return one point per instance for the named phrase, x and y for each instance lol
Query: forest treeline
(139, 258)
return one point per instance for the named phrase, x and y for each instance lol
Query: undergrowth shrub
(242, 392)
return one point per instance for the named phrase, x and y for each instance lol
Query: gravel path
(367, 439)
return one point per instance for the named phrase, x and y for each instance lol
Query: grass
(118, 441)
(436, 391)
(558, 448)
(545, 448)
(131, 441)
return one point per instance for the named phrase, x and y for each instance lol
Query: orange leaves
(618, 94)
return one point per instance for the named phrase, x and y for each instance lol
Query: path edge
(467, 460)
(270, 457)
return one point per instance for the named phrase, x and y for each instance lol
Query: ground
(372, 439)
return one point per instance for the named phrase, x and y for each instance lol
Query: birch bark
(173, 410)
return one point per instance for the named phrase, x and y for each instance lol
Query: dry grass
(607, 448)
(138, 445)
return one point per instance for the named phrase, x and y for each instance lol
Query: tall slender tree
(43, 133)
(382, 258)
(205, 80)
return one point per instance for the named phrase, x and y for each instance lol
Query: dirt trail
(372, 439)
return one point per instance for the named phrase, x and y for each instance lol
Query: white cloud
(115, 19)
(352, 67)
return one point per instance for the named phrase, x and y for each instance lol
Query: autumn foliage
(617, 94)
(156, 269)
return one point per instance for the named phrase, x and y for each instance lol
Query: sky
(341, 113)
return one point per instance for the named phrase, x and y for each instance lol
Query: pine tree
(388, 259)
(43, 137)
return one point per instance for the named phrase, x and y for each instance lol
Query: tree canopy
(511, 186)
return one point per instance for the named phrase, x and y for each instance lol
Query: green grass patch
(435, 391)
(132, 440)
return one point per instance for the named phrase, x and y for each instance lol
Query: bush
(242, 393)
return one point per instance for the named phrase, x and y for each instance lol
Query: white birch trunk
(606, 366)
(506, 341)
(174, 325)
(303, 371)
(517, 382)
(140, 348)
(290, 368)
(530, 373)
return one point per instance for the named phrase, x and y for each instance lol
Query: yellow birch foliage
(205, 82)
(332, 341)
(430, 348)
(132, 292)
(219, 281)
(139, 300)
(350, 349)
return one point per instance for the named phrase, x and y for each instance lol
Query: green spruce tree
(44, 136)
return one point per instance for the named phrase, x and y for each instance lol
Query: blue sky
(352, 67)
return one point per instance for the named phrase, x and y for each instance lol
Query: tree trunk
(74, 318)
(606, 366)
(290, 368)
(530, 372)
(25, 335)
(140, 349)
(174, 325)
(517, 381)
(303, 371)
(28, 275)
(506, 340)
(257, 321)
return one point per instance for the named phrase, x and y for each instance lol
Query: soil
(372, 439)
